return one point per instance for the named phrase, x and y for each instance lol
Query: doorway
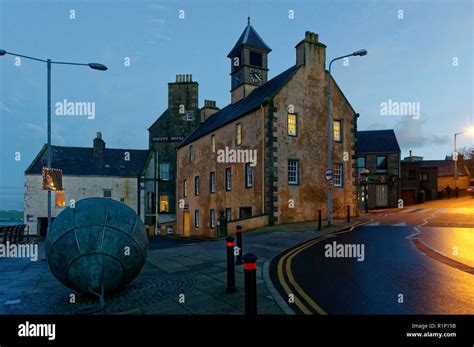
(186, 223)
(381, 195)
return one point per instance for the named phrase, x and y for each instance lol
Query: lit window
(293, 171)
(337, 131)
(238, 134)
(189, 116)
(196, 218)
(213, 143)
(107, 193)
(212, 182)
(212, 218)
(165, 171)
(248, 175)
(338, 175)
(292, 124)
(59, 199)
(228, 179)
(228, 214)
(191, 153)
(164, 203)
(196, 185)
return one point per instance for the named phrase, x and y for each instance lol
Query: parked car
(470, 189)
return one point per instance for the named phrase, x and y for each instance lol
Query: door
(186, 223)
(381, 195)
(408, 197)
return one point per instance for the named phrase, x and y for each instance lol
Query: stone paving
(189, 279)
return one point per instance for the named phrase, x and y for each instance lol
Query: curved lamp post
(94, 66)
(360, 53)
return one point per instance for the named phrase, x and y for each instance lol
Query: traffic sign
(328, 175)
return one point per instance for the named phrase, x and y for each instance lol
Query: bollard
(319, 219)
(366, 201)
(348, 214)
(238, 230)
(230, 265)
(250, 282)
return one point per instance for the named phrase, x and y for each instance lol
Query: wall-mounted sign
(167, 138)
(52, 179)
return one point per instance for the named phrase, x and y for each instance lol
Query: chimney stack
(98, 145)
(208, 109)
(310, 51)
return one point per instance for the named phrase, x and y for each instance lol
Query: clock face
(256, 76)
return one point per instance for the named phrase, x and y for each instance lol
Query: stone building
(427, 179)
(262, 159)
(94, 171)
(180, 118)
(378, 165)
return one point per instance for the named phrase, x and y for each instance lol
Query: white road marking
(402, 224)
(375, 224)
(405, 211)
(415, 234)
(424, 210)
(442, 210)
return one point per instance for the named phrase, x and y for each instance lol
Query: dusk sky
(425, 57)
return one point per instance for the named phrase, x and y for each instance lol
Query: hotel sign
(167, 138)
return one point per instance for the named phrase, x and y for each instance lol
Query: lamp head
(360, 52)
(97, 66)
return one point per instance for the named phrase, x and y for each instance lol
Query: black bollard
(250, 282)
(319, 219)
(238, 230)
(230, 265)
(348, 214)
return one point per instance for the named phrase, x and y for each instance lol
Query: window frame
(377, 164)
(196, 186)
(160, 210)
(247, 167)
(169, 171)
(427, 177)
(228, 213)
(185, 188)
(338, 121)
(297, 173)
(228, 179)
(238, 134)
(412, 177)
(59, 194)
(212, 218)
(107, 190)
(361, 167)
(190, 154)
(341, 174)
(189, 119)
(197, 222)
(213, 143)
(288, 124)
(212, 182)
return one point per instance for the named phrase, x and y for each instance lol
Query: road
(416, 260)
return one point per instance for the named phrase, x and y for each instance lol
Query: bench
(13, 234)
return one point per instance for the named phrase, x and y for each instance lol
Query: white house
(87, 172)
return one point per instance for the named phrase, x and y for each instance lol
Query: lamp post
(360, 53)
(94, 66)
(469, 131)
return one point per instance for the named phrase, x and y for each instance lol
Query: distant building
(94, 171)
(378, 165)
(427, 179)
(262, 159)
(180, 118)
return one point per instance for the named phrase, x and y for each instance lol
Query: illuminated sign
(52, 179)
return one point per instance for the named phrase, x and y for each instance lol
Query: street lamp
(469, 131)
(94, 66)
(359, 53)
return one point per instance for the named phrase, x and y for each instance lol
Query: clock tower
(249, 63)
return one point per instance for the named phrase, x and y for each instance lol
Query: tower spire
(248, 20)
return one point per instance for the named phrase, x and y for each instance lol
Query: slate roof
(445, 167)
(249, 38)
(80, 161)
(377, 141)
(234, 111)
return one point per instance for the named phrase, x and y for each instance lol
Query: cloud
(410, 134)
(4, 107)
(36, 129)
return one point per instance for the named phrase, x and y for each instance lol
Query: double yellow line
(302, 300)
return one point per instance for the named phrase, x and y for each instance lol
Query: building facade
(180, 118)
(378, 165)
(262, 159)
(87, 172)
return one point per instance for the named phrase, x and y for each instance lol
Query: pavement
(417, 260)
(179, 277)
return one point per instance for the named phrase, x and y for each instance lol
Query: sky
(418, 51)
